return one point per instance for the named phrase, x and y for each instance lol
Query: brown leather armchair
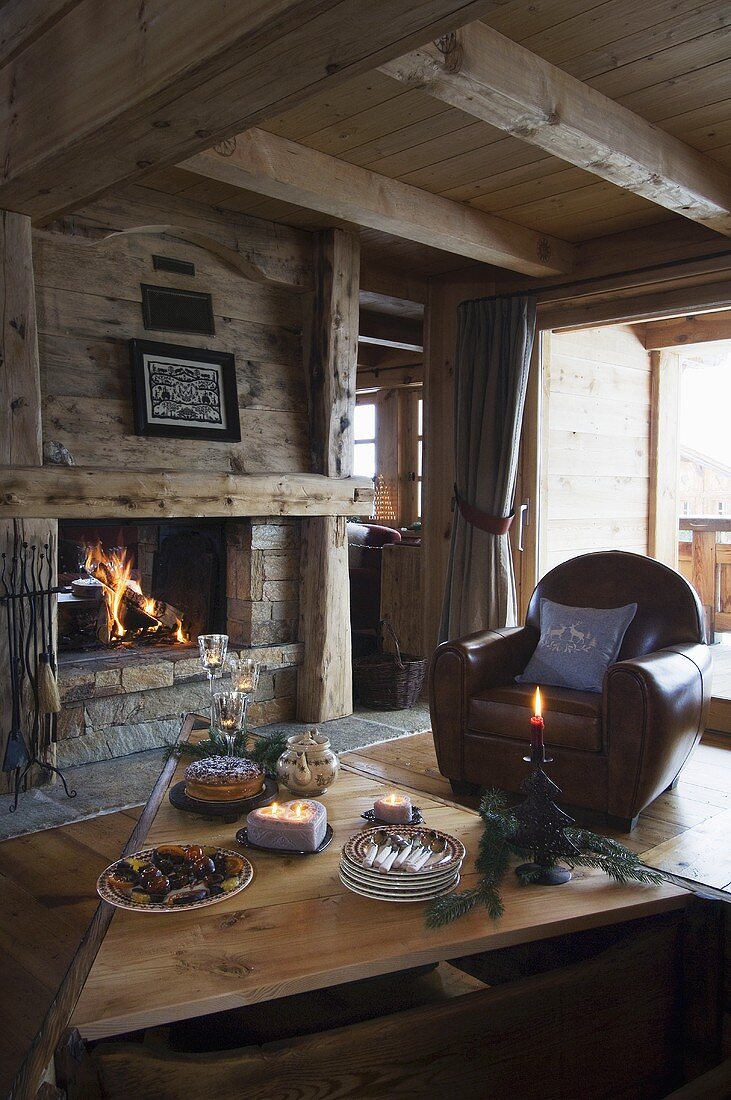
(614, 751)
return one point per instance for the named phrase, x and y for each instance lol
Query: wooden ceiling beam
(95, 94)
(492, 78)
(281, 169)
(676, 332)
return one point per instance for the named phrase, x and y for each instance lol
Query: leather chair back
(668, 609)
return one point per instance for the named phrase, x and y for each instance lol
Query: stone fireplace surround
(122, 701)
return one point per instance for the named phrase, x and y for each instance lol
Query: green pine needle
(264, 749)
(496, 845)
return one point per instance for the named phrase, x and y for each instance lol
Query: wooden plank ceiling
(668, 62)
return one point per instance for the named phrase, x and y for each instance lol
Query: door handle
(522, 511)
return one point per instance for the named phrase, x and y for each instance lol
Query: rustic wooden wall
(596, 444)
(89, 306)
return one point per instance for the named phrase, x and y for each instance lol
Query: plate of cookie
(174, 877)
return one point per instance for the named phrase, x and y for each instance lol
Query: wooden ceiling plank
(366, 125)
(656, 37)
(680, 331)
(147, 85)
(285, 170)
(511, 19)
(531, 99)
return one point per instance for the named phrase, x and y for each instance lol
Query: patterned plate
(356, 849)
(387, 884)
(404, 898)
(116, 897)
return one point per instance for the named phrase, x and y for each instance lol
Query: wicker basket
(387, 680)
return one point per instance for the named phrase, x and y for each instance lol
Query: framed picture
(184, 393)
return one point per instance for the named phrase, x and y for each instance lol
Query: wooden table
(297, 927)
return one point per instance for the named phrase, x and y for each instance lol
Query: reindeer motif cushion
(576, 645)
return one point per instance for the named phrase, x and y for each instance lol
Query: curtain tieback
(494, 525)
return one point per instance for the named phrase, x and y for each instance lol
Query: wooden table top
(297, 928)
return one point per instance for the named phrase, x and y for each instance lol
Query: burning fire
(113, 569)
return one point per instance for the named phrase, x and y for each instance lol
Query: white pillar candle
(297, 826)
(394, 808)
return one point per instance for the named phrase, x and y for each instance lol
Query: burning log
(125, 606)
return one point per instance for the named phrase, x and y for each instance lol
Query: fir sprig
(263, 749)
(497, 845)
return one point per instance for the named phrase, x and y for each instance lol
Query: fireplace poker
(50, 701)
(16, 752)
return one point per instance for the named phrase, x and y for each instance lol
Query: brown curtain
(494, 345)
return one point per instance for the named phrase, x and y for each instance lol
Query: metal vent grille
(167, 263)
(169, 310)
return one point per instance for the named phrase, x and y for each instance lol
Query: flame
(113, 568)
(538, 703)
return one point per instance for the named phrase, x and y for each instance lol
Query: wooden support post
(20, 410)
(664, 454)
(704, 575)
(324, 686)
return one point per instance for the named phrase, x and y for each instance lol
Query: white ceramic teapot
(308, 766)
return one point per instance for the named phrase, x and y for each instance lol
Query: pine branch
(264, 751)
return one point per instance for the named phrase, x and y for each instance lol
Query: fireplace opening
(139, 585)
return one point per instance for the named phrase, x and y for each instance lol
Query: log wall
(596, 431)
(89, 298)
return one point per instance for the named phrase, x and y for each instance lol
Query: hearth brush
(16, 751)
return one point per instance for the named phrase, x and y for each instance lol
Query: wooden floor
(685, 831)
(48, 879)
(48, 892)
(720, 716)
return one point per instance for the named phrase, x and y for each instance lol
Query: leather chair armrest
(655, 710)
(461, 668)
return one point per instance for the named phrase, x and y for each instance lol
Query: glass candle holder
(229, 715)
(245, 674)
(213, 649)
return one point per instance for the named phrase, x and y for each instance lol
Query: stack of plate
(401, 883)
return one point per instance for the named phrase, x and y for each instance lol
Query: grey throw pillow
(576, 645)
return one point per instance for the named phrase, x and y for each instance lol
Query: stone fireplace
(129, 696)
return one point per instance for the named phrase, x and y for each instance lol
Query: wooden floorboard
(48, 891)
(684, 831)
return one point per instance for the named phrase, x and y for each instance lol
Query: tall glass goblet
(212, 649)
(244, 678)
(228, 715)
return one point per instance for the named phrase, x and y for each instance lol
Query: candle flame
(393, 799)
(538, 703)
(298, 809)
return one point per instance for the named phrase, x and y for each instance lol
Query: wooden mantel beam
(494, 79)
(95, 93)
(281, 169)
(75, 492)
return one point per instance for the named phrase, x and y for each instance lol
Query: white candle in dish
(395, 809)
(289, 826)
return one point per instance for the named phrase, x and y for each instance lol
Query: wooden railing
(706, 563)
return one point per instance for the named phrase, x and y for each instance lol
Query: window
(364, 464)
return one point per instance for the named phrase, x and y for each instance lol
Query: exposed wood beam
(73, 492)
(390, 332)
(494, 79)
(116, 90)
(678, 331)
(282, 169)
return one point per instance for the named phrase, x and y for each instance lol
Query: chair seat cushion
(576, 645)
(573, 718)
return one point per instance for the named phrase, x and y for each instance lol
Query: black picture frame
(184, 393)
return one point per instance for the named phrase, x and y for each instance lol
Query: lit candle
(536, 724)
(289, 826)
(395, 809)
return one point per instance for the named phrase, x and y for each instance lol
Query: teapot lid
(309, 740)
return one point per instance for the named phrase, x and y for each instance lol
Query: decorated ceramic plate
(434, 892)
(357, 848)
(383, 880)
(193, 876)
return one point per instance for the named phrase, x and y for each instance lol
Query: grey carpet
(109, 785)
